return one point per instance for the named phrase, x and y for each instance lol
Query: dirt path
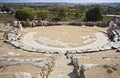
(62, 68)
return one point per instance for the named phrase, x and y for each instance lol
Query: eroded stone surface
(22, 75)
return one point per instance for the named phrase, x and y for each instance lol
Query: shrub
(114, 68)
(24, 14)
(106, 66)
(94, 14)
(44, 14)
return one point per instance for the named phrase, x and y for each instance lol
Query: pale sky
(69, 1)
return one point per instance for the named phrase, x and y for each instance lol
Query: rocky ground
(103, 72)
(104, 64)
(17, 63)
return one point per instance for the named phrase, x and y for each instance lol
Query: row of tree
(59, 14)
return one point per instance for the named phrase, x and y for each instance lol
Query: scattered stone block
(79, 51)
(118, 50)
(71, 51)
(91, 50)
(90, 24)
(115, 45)
(41, 50)
(102, 24)
(105, 47)
(76, 23)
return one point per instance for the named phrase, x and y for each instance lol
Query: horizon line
(62, 2)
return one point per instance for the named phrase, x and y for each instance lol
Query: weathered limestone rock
(71, 51)
(22, 75)
(105, 47)
(115, 45)
(118, 50)
(76, 23)
(79, 51)
(76, 67)
(42, 65)
(45, 64)
(27, 23)
(39, 62)
(90, 24)
(114, 35)
(26, 47)
(41, 50)
(54, 23)
(15, 43)
(52, 51)
(91, 50)
(88, 66)
(102, 24)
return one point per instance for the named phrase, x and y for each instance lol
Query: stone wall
(50, 23)
(90, 24)
(108, 46)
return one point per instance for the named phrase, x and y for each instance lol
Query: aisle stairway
(62, 68)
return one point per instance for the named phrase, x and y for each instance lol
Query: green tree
(78, 14)
(62, 12)
(94, 14)
(24, 14)
(44, 14)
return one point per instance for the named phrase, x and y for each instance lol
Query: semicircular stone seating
(12, 38)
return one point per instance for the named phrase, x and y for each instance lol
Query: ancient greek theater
(59, 40)
(62, 44)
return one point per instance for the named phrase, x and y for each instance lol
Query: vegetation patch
(106, 66)
(109, 71)
(114, 68)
